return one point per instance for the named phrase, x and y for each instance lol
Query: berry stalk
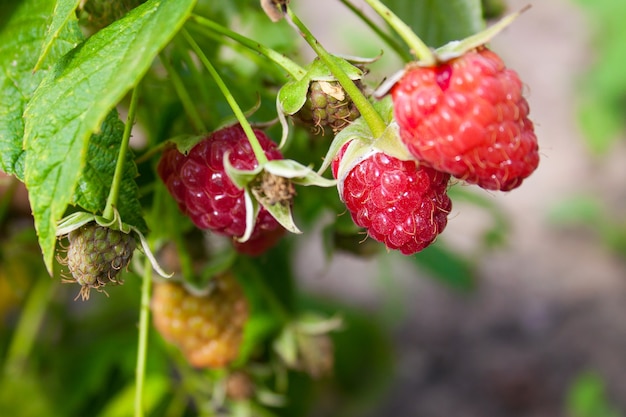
(142, 348)
(390, 41)
(109, 209)
(241, 117)
(293, 69)
(368, 112)
(421, 51)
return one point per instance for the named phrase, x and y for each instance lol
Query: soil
(548, 305)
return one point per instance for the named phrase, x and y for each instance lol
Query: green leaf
(94, 184)
(457, 48)
(587, 397)
(292, 95)
(603, 88)
(437, 22)
(446, 266)
(258, 329)
(578, 210)
(156, 388)
(496, 234)
(22, 30)
(63, 13)
(281, 212)
(364, 357)
(13, 391)
(286, 347)
(76, 96)
(601, 121)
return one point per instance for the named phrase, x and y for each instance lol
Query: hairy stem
(109, 209)
(241, 117)
(142, 349)
(390, 41)
(293, 69)
(421, 51)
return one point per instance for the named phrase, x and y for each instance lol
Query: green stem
(142, 349)
(374, 121)
(241, 117)
(184, 96)
(114, 193)
(390, 41)
(152, 150)
(29, 324)
(294, 70)
(421, 51)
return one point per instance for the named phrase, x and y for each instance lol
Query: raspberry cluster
(465, 117)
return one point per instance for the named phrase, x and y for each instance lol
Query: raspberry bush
(187, 139)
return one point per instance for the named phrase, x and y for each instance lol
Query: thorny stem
(421, 51)
(142, 349)
(109, 209)
(184, 96)
(374, 121)
(293, 69)
(390, 41)
(241, 117)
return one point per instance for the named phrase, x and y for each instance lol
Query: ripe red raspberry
(203, 190)
(208, 329)
(467, 117)
(400, 203)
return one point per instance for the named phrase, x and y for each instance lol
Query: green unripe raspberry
(327, 107)
(97, 254)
